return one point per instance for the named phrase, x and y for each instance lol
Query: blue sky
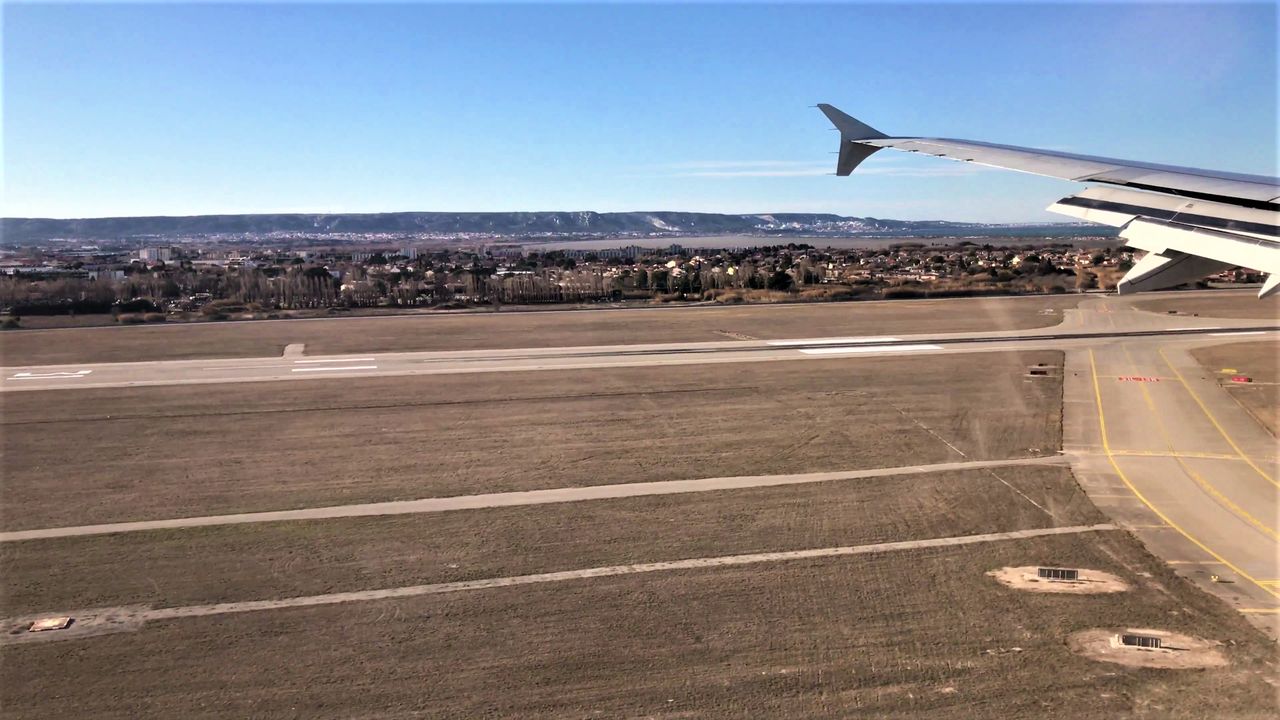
(141, 109)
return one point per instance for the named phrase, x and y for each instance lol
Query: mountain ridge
(17, 230)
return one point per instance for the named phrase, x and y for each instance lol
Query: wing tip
(850, 127)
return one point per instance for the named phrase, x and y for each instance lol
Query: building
(156, 254)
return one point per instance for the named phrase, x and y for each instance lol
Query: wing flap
(1175, 250)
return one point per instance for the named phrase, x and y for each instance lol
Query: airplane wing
(1191, 222)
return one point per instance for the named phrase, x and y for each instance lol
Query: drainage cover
(1049, 573)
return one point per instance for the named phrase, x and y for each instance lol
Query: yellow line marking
(1106, 446)
(1229, 371)
(1193, 455)
(1259, 610)
(1205, 485)
(1214, 420)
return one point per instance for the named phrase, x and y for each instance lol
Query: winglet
(850, 128)
(851, 131)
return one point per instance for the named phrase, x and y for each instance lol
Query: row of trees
(442, 278)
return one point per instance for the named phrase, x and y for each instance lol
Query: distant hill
(23, 230)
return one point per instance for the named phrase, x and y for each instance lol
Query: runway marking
(50, 376)
(1221, 431)
(333, 360)
(1245, 332)
(172, 613)
(518, 498)
(1106, 446)
(1138, 378)
(1205, 485)
(832, 341)
(331, 369)
(870, 349)
(277, 366)
(1259, 610)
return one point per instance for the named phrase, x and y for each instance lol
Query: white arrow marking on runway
(45, 376)
(870, 349)
(343, 367)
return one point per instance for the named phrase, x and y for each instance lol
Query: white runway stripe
(832, 341)
(869, 349)
(336, 367)
(334, 360)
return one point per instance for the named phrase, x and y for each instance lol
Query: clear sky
(141, 109)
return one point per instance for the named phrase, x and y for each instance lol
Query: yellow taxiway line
(1106, 446)
(1204, 484)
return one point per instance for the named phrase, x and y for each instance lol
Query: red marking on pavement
(1241, 379)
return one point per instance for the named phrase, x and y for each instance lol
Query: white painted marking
(46, 376)
(833, 341)
(244, 367)
(1250, 332)
(870, 349)
(1206, 327)
(328, 369)
(333, 360)
(173, 613)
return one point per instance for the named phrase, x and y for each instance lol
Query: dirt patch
(84, 624)
(1090, 582)
(1178, 651)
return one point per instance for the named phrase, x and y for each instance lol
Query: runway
(1070, 335)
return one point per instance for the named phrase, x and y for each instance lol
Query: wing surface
(1192, 222)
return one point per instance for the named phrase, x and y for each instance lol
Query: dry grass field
(477, 331)
(1223, 304)
(1258, 360)
(909, 634)
(144, 453)
(287, 559)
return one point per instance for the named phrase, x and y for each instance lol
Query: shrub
(154, 317)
